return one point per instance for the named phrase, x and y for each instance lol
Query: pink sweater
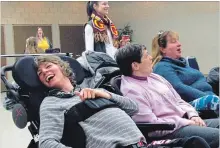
(158, 102)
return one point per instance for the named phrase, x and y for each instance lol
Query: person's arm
(191, 112)
(51, 125)
(170, 75)
(89, 38)
(50, 44)
(145, 113)
(125, 103)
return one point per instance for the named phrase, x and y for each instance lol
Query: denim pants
(210, 133)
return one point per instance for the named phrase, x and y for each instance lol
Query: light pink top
(158, 102)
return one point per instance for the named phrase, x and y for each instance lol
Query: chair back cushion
(25, 75)
(115, 82)
(192, 62)
(76, 68)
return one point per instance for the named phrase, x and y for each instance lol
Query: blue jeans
(210, 133)
(209, 102)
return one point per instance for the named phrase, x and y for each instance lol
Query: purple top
(139, 78)
(158, 102)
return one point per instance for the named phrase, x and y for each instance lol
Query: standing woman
(101, 34)
(42, 41)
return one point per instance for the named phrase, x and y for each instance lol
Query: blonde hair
(31, 46)
(65, 66)
(157, 42)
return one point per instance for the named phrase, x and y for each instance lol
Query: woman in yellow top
(42, 41)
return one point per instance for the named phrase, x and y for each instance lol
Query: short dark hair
(128, 54)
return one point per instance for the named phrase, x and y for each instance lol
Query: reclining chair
(213, 79)
(192, 62)
(30, 93)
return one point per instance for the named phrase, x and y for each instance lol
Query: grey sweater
(106, 129)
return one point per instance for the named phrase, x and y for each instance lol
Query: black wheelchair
(28, 93)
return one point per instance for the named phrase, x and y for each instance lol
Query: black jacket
(99, 68)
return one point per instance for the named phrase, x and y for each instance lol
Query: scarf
(99, 24)
(61, 94)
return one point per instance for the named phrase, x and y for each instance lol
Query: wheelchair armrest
(5, 69)
(150, 127)
(33, 144)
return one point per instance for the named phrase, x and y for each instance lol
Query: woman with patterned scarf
(101, 34)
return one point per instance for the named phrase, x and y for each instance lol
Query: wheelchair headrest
(115, 82)
(25, 74)
(192, 62)
(76, 67)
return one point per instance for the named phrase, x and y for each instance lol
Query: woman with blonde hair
(31, 46)
(188, 82)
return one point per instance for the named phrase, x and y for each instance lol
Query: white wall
(43, 12)
(196, 22)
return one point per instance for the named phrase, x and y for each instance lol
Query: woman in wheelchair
(108, 125)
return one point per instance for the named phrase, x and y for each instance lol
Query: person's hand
(192, 122)
(88, 93)
(198, 121)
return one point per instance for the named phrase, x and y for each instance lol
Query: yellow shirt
(43, 44)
